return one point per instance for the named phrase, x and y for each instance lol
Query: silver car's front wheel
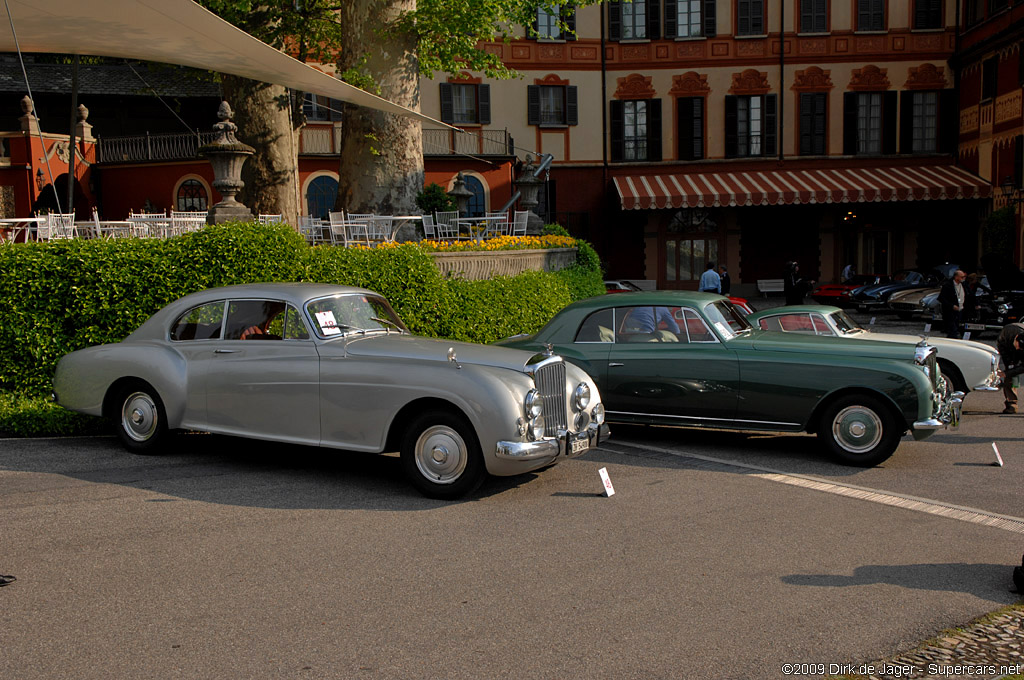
(859, 430)
(441, 455)
(141, 420)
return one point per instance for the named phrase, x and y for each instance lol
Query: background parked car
(334, 366)
(968, 365)
(703, 365)
(877, 296)
(838, 294)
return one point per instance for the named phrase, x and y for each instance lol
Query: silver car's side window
(293, 328)
(199, 323)
(255, 320)
(597, 327)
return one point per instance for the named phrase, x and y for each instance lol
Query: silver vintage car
(334, 366)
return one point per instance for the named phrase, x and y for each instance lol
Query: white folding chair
(429, 232)
(270, 219)
(380, 228)
(500, 226)
(519, 222)
(61, 225)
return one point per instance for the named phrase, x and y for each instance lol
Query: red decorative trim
(465, 78)
(869, 78)
(550, 79)
(926, 77)
(813, 79)
(634, 86)
(690, 84)
(750, 81)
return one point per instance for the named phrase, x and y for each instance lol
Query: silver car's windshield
(352, 313)
(844, 324)
(726, 319)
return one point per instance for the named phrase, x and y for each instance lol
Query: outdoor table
(399, 221)
(13, 228)
(490, 226)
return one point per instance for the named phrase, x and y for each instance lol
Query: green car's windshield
(352, 313)
(726, 319)
(844, 324)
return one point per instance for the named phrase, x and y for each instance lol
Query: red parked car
(838, 294)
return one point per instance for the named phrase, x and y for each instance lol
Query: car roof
(296, 292)
(793, 309)
(664, 298)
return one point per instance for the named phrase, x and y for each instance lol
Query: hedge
(60, 296)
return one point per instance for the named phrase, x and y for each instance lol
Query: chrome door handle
(224, 351)
(614, 363)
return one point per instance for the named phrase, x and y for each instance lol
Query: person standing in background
(710, 281)
(951, 297)
(1011, 361)
(725, 281)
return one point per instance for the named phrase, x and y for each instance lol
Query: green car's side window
(820, 326)
(597, 327)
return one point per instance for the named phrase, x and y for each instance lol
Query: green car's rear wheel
(859, 430)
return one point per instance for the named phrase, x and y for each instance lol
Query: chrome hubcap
(857, 429)
(139, 417)
(441, 454)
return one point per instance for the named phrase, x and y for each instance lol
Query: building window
(552, 105)
(869, 123)
(750, 17)
(320, 195)
(925, 125)
(972, 12)
(870, 15)
(750, 125)
(689, 18)
(690, 128)
(191, 196)
(927, 13)
(316, 107)
(989, 77)
(636, 130)
(465, 104)
(477, 205)
(634, 20)
(813, 123)
(548, 27)
(813, 16)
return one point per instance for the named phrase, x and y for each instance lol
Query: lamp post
(1013, 196)
(461, 194)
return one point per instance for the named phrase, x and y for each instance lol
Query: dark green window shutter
(653, 20)
(572, 107)
(889, 106)
(615, 20)
(447, 106)
(1018, 160)
(710, 26)
(570, 25)
(732, 147)
(849, 123)
(906, 122)
(533, 104)
(671, 15)
(806, 124)
(690, 128)
(770, 122)
(949, 121)
(654, 129)
(617, 130)
(484, 104)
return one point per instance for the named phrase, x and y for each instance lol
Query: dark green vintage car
(682, 358)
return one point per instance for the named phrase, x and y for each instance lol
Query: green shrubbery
(61, 296)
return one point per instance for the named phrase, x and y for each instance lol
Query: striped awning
(797, 187)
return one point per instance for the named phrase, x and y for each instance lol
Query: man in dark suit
(723, 274)
(1010, 344)
(951, 297)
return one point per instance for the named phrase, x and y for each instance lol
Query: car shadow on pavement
(985, 581)
(237, 471)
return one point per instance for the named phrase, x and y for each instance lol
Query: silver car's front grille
(550, 382)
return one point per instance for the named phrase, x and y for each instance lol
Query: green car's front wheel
(859, 430)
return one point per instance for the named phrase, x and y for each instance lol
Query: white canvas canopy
(173, 32)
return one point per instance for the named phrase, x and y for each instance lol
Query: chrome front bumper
(567, 445)
(991, 382)
(946, 414)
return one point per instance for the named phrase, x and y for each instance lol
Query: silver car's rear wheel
(441, 455)
(141, 419)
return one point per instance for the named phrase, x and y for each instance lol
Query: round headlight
(1003, 308)
(534, 404)
(582, 396)
(536, 426)
(598, 414)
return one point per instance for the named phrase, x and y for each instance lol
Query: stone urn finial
(29, 122)
(27, 106)
(227, 155)
(83, 129)
(83, 113)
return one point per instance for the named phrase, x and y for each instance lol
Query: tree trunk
(271, 176)
(381, 153)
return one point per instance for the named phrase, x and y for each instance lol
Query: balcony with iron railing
(315, 140)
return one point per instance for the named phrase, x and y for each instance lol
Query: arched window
(191, 196)
(320, 195)
(478, 203)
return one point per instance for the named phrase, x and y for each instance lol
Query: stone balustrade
(474, 264)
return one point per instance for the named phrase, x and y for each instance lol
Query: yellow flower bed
(500, 243)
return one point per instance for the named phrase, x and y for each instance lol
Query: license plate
(579, 445)
(974, 326)
(862, 308)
